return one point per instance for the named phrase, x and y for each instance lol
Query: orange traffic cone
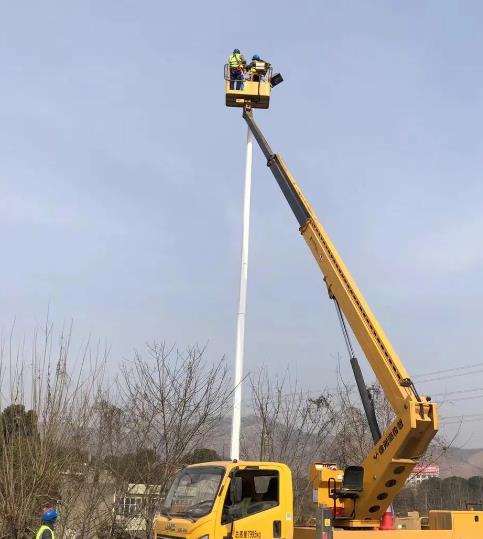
(387, 520)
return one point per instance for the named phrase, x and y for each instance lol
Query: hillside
(461, 462)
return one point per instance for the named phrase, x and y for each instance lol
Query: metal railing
(247, 76)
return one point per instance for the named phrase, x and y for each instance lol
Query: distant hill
(461, 462)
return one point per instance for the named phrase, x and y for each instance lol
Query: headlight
(204, 537)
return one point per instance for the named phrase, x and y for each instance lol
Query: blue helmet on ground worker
(237, 64)
(46, 530)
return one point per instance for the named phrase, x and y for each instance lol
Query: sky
(121, 180)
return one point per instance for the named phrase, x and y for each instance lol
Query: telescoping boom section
(394, 455)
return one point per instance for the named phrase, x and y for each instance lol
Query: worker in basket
(237, 65)
(46, 530)
(258, 68)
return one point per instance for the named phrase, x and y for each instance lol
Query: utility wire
(420, 378)
(441, 371)
(456, 392)
(461, 416)
(439, 394)
(462, 419)
(438, 378)
(470, 397)
(465, 421)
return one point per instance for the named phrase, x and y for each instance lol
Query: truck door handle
(277, 529)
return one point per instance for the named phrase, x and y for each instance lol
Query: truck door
(253, 507)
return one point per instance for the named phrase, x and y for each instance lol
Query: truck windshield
(193, 491)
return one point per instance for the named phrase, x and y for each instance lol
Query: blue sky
(121, 177)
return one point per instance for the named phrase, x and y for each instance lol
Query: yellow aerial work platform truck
(254, 500)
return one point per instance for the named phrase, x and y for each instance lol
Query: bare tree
(171, 400)
(291, 427)
(65, 442)
(352, 439)
(45, 420)
(91, 482)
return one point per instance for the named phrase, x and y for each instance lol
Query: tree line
(454, 493)
(93, 442)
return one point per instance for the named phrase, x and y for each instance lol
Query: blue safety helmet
(236, 51)
(256, 57)
(50, 516)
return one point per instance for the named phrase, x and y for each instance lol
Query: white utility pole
(240, 330)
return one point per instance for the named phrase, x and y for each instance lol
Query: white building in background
(130, 505)
(421, 473)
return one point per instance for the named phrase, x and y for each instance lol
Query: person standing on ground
(46, 530)
(237, 64)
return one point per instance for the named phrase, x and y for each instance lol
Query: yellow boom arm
(393, 457)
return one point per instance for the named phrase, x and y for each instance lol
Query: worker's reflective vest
(236, 60)
(43, 529)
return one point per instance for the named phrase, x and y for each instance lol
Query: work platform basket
(253, 88)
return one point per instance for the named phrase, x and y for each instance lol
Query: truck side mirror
(236, 489)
